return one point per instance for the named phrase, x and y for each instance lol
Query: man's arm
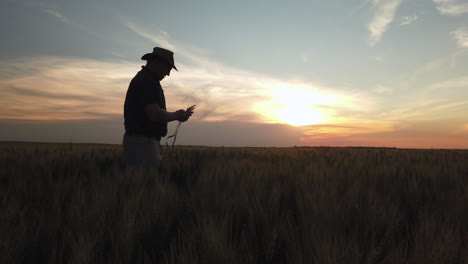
(157, 114)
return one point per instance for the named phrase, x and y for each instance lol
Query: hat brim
(149, 56)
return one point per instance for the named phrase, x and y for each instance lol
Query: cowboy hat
(166, 55)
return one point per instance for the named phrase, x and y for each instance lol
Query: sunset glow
(295, 106)
(298, 115)
(363, 75)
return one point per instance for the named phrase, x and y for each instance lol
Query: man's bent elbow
(156, 114)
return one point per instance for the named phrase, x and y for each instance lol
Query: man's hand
(183, 115)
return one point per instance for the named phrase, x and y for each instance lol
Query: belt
(136, 134)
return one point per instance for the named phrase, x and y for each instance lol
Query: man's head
(159, 67)
(160, 61)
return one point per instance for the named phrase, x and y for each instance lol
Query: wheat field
(73, 203)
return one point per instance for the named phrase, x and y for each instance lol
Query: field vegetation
(73, 203)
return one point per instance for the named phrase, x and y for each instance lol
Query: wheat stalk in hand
(190, 109)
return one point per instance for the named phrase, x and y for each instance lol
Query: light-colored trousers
(141, 153)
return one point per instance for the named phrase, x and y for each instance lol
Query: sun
(298, 115)
(298, 106)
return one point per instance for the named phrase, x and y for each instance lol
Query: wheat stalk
(190, 109)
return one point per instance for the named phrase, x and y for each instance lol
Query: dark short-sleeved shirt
(144, 89)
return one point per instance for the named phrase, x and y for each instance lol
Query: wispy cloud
(378, 58)
(429, 133)
(446, 62)
(159, 37)
(62, 88)
(451, 7)
(407, 20)
(385, 11)
(162, 38)
(426, 109)
(383, 89)
(224, 93)
(461, 82)
(461, 36)
(325, 131)
(222, 89)
(64, 19)
(76, 88)
(57, 15)
(359, 7)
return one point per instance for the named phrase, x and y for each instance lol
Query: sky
(371, 73)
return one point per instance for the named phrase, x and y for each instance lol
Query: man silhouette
(145, 112)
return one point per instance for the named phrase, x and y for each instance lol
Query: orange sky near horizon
(75, 90)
